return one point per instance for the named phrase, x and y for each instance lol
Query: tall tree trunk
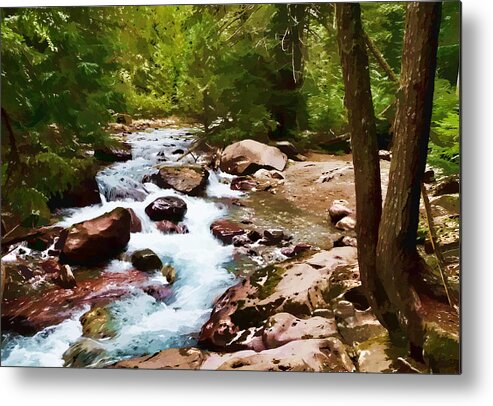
(361, 117)
(398, 262)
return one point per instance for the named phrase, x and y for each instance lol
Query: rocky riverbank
(282, 224)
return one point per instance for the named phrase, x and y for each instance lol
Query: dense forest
(252, 186)
(244, 71)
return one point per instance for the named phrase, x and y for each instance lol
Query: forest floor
(313, 184)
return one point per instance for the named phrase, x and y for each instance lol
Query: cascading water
(145, 325)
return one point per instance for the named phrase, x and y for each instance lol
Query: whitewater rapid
(144, 324)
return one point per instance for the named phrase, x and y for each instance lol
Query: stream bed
(145, 325)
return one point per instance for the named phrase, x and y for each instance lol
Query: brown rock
(283, 328)
(224, 230)
(27, 316)
(99, 239)
(167, 208)
(85, 193)
(190, 180)
(135, 223)
(118, 153)
(293, 251)
(146, 260)
(247, 156)
(292, 287)
(243, 183)
(346, 224)
(173, 358)
(338, 210)
(447, 185)
(326, 355)
(168, 227)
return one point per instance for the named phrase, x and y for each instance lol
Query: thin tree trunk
(380, 59)
(361, 117)
(398, 263)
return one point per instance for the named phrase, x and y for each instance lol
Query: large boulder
(315, 355)
(247, 156)
(224, 230)
(321, 355)
(99, 239)
(190, 179)
(146, 260)
(167, 208)
(298, 287)
(283, 328)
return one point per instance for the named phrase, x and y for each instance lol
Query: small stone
(338, 210)
(346, 224)
(169, 272)
(273, 236)
(146, 260)
(253, 235)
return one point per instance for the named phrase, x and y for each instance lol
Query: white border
(474, 387)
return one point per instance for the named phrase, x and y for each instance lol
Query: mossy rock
(442, 349)
(98, 323)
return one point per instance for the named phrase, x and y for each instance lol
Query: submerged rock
(247, 156)
(167, 208)
(99, 239)
(53, 305)
(158, 291)
(190, 179)
(168, 227)
(146, 260)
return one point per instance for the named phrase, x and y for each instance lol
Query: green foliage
(57, 92)
(244, 71)
(444, 147)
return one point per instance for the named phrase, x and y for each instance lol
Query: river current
(145, 325)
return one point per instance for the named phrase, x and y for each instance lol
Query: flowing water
(145, 325)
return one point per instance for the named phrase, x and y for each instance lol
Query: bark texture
(398, 263)
(361, 118)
